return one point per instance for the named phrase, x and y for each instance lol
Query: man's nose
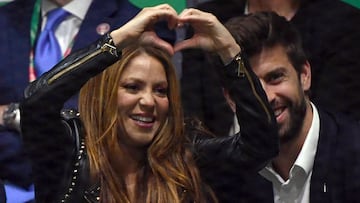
(270, 94)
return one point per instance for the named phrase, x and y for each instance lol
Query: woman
(137, 125)
(131, 145)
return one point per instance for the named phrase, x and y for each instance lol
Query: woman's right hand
(140, 29)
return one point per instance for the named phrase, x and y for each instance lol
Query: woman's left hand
(140, 29)
(209, 34)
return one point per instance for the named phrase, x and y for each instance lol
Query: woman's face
(142, 100)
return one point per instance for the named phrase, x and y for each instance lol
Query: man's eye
(275, 77)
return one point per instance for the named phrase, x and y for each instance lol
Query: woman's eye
(162, 91)
(131, 87)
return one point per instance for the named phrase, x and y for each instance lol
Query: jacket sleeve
(257, 142)
(46, 136)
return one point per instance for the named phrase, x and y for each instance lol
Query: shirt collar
(306, 157)
(77, 8)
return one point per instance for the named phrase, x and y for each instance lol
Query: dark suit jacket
(2, 192)
(330, 33)
(336, 165)
(14, 62)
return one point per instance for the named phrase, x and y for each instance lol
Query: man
(330, 36)
(319, 159)
(86, 22)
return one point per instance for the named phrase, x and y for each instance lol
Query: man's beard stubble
(293, 127)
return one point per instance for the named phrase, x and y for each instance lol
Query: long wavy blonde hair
(169, 171)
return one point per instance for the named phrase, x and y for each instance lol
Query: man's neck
(287, 156)
(286, 8)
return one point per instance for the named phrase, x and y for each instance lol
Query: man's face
(284, 89)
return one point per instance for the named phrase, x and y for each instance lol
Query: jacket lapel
(320, 187)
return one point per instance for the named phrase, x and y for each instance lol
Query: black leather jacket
(59, 161)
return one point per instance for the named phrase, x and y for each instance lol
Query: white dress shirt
(67, 30)
(297, 188)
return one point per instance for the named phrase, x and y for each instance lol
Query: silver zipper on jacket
(242, 72)
(104, 48)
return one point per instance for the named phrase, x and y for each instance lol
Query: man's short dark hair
(260, 30)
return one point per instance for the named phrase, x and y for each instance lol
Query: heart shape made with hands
(151, 37)
(200, 40)
(209, 34)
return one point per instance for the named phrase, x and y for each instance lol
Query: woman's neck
(286, 8)
(130, 181)
(128, 168)
(129, 164)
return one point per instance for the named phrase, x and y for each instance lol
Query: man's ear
(305, 76)
(229, 100)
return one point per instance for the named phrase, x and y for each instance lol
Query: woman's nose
(147, 99)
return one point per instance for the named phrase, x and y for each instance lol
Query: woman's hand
(209, 34)
(140, 29)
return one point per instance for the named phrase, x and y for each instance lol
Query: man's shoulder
(340, 129)
(15, 10)
(329, 117)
